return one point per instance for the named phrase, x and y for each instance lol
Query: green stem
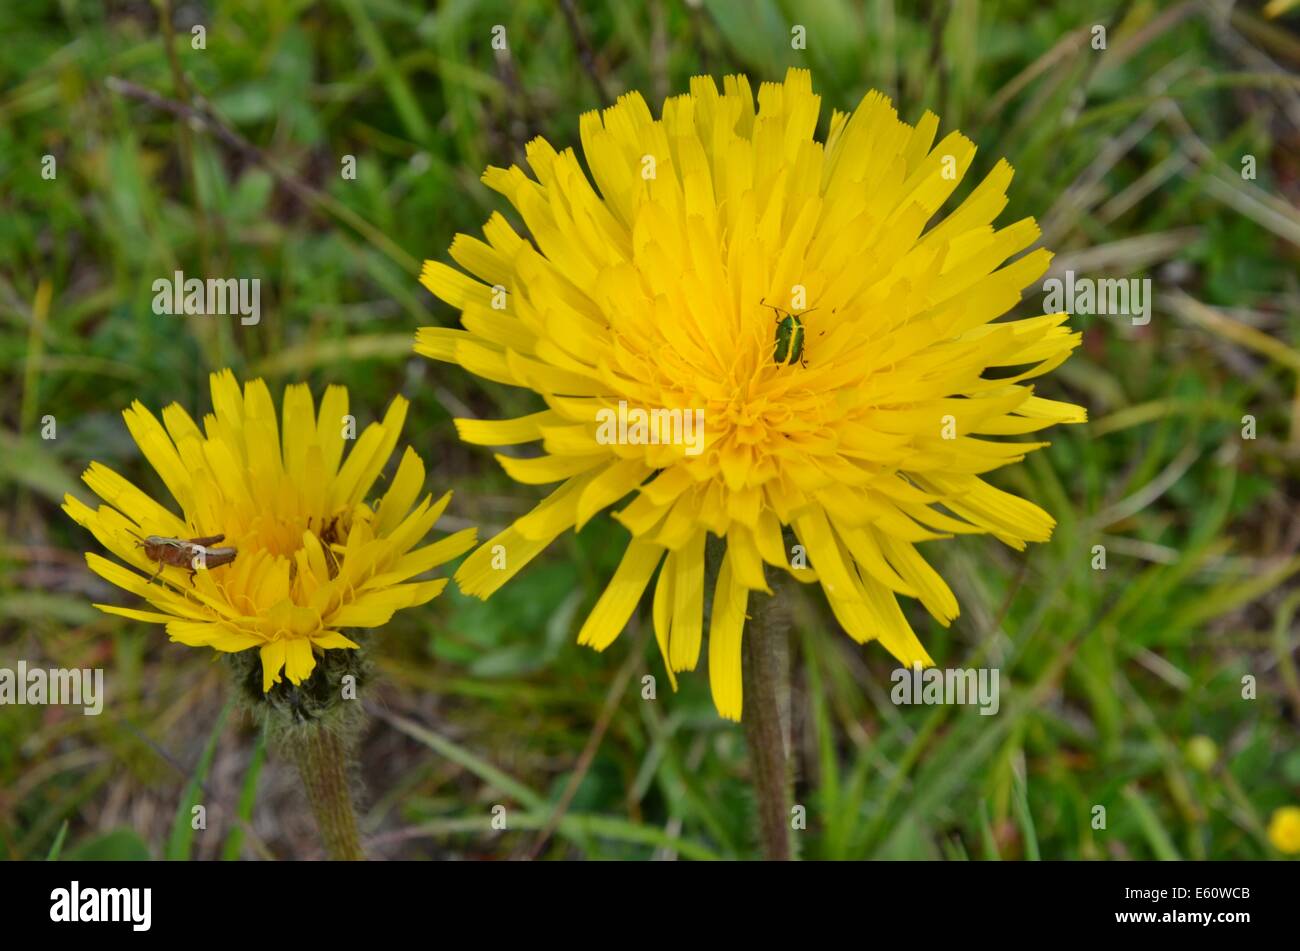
(766, 680)
(324, 760)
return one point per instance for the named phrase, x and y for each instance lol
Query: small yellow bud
(1201, 752)
(1284, 829)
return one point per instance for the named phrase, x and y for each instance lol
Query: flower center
(280, 534)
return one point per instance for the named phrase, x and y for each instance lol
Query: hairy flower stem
(316, 725)
(766, 678)
(323, 758)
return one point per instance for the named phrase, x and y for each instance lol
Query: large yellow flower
(312, 556)
(666, 290)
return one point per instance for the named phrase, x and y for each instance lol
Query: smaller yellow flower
(1284, 829)
(312, 557)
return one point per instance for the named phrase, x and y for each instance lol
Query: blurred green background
(1131, 158)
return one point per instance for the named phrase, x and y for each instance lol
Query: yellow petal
(299, 660)
(273, 658)
(620, 597)
(726, 627)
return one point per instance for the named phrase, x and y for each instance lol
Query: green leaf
(120, 845)
(57, 847)
(182, 837)
(247, 799)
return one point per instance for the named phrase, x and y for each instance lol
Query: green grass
(1129, 157)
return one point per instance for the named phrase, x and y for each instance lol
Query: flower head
(312, 557)
(847, 358)
(1284, 829)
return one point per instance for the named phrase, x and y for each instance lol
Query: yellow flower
(1284, 829)
(312, 556)
(663, 291)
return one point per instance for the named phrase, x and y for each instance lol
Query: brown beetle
(194, 554)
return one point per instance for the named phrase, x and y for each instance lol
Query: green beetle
(789, 337)
(789, 341)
